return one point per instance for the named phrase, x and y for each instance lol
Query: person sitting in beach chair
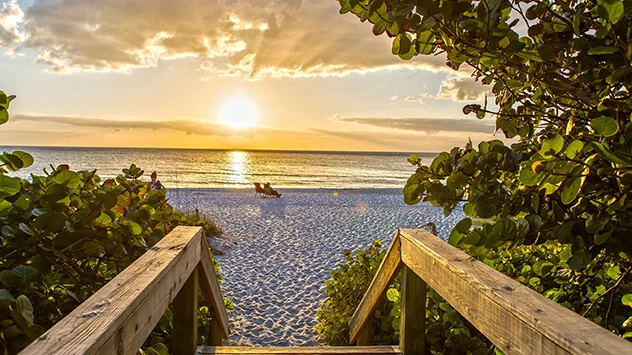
(259, 190)
(270, 191)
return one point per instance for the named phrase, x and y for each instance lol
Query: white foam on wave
(284, 249)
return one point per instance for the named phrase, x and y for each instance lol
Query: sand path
(282, 250)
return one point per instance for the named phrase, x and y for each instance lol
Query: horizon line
(224, 149)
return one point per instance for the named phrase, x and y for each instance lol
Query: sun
(238, 112)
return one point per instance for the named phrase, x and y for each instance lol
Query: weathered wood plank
(305, 350)
(412, 331)
(385, 274)
(211, 290)
(216, 337)
(365, 337)
(515, 318)
(185, 307)
(119, 317)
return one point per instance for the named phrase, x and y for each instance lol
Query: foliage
(345, 290)
(447, 332)
(594, 292)
(560, 72)
(562, 91)
(10, 161)
(67, 233)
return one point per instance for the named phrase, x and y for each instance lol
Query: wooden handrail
(120, 316)
(512, 316)
(387, 271)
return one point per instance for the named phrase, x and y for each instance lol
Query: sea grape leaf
(9, 186)
(611, 9)
(25, 273)
(25, 308)
(605, 126)
(570, 189)
(6, 295)
(27, 159)
(552, 145)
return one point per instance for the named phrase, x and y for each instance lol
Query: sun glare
(238, 112)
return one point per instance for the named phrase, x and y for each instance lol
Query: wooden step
(303, 350)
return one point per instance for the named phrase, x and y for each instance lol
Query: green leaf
(4, 115)
(412, 191)
(5, 208)
(93, 248)
(600, 50)
(158, 349)
(602, 238)
(605, 126)
(457, 180)
(135, 228)
(11, 161)
(574, 148)
(552, 145)
(8, 279)
(25, 273)
(613, 9)
(614, 272)
(67, 178)
(9, 186)
(579, 260)
(25, 308)
(611, 156)
(485, 208)
(6, 295)
(542, 268)
(425, 42)
(570, 189)
(627, 299)
(27, 159)
(50, 221)
(392, 295)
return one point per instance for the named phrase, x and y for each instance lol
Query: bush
(595, 292)
(446, 331)
(65, 235)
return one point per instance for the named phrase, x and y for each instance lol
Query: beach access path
(279, 251)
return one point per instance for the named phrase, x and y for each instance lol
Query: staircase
(121, 315)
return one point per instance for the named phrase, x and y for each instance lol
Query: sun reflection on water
(237, 167)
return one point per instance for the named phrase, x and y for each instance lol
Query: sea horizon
(232, 168)
(16, 147)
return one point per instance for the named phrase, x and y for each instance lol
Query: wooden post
(412, 332)
(216, 337)
(365, 335)
(185, 307)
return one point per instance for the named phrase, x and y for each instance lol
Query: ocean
(199, 168)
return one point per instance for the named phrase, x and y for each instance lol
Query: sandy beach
(279, 252)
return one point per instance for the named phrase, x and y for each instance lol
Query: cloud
(419, 99)
(245, 38)
(427, 125)
(401, 141)
(461, 88)
(185, 126)
(11, 15)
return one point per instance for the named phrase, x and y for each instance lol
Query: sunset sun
(238, 112)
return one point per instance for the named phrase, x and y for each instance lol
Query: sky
(159, 73)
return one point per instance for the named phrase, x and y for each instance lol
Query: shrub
(446, 331)
(595, 292)
(66, 234)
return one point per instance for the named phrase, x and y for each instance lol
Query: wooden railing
(515, 318)
(121, 315)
